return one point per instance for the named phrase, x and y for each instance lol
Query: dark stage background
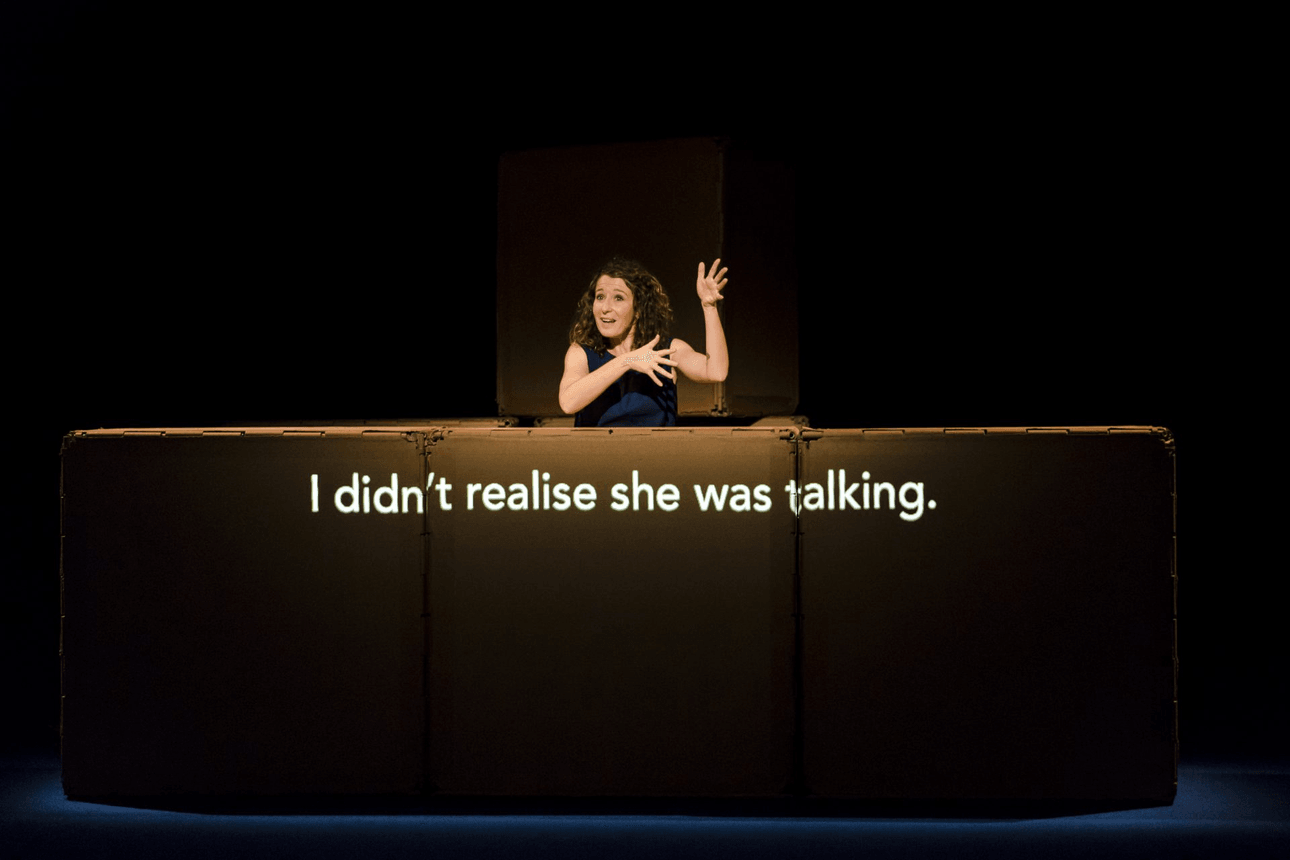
(276, 219)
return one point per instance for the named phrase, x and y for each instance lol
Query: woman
(619, 366)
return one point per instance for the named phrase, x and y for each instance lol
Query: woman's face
(614, 308)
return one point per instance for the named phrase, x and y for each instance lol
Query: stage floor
(1223, 808)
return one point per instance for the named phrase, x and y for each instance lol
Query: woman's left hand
(711, 285)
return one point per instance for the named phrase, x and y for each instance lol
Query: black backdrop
(269, 218)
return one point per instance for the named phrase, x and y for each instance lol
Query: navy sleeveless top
(632, 401)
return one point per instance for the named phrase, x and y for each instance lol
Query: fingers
(657, 366)
(649, 352)
(659, 370)
(662, 364)
(714, 276)
(658, 358)
(718, 276)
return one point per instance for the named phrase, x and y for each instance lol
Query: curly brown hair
(652, 312)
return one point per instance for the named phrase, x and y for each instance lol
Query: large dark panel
(221, 636)
(612, 652)
(1014, 641)
(468, 610)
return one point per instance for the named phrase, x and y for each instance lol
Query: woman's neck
(621, 346)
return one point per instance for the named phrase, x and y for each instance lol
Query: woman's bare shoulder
(575, 358)
(680, 346)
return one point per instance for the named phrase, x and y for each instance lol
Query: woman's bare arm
(713, 365)
(580, 385)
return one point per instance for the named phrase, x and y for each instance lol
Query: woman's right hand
(650, 361)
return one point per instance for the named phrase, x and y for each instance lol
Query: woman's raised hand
(711, 285)
(650, 361)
